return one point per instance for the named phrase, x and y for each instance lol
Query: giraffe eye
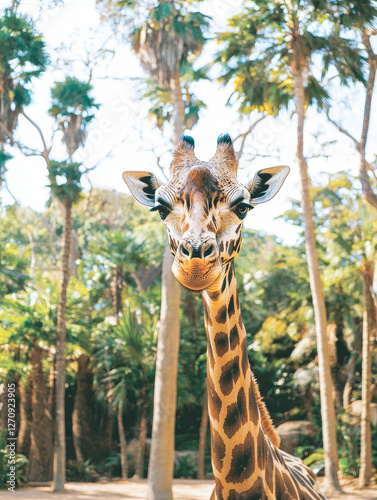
(163, 211)
(242, 209)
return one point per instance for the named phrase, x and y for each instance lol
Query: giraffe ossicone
(203, 206)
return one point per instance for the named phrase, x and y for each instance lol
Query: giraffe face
(203, 207)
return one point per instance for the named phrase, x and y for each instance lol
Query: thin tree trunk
(51, 384)
(123, 443)
(41, 447)
(327, 405)
(59, 446)
(161, 461)
(350, 379)
(33, 258)
(3, 407)
(26, 417)
(203, 438)
(178, 116)
(368, 327)
(82, 428)
(139, 474)
(368, 193)
(116, 291)
(334, 365)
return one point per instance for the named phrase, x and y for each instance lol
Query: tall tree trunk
(3, 406)
(51, 384)
(59, 445)
(203, 438)
(161, 462)
(357, 346)
(123, 443)
(116, 295)
(350, 379)
(178, 117)
(368, 330)
(139, 473)
(26, 416)
(82, 427)
(327, 405)
(41, 448)
(116, 291)
(367, 190)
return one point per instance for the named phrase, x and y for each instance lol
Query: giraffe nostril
(185, 251)
(208, 251)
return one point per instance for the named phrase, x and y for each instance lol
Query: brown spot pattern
(214, 401)
(221, 316)
(218, 449)
(236, 415)
(234, 337)
(243, 461)
(221, 343)
(230, 373)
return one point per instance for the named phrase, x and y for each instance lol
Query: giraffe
(203, 206)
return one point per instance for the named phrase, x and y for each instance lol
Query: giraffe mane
(266, 421)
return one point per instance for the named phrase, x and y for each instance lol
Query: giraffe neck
(239, 445)
(246, 461)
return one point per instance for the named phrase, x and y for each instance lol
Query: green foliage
(81, 472)
(72, 97)
(268, 43)
(162, 101)
(22, 58)
(13, 269)
(65, 180)
(4, 158)
(111, 466)
(316, 461)
(20, 463)
(183, 468)
(72, 107)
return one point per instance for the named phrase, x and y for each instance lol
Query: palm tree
(166, 35)
(170, 34)
(22, 59)
(71, 108)
(369, 331)
(268, 53)
(29, 321)
(122, 252)
(132, 352)
(161, 102)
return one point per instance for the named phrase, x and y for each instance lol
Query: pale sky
(122, 126)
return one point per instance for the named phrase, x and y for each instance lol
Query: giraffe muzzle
(197, 267)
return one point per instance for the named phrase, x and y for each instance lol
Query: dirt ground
(134, 490)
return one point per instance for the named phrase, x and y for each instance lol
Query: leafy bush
(111, 466)
(184, 468)
(348, 437)
(316, 461)
(20, 463)
(81, 472)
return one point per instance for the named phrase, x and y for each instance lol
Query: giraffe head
(203, 206)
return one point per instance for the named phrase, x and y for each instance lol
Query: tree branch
(245, 135)
(46, 151)
(341, 129)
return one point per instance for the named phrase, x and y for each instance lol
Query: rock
(290, 434)
(354, 409)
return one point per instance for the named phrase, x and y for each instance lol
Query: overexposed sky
(122, 130)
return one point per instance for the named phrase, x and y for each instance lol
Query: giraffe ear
(143, 186)
(266, 183)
